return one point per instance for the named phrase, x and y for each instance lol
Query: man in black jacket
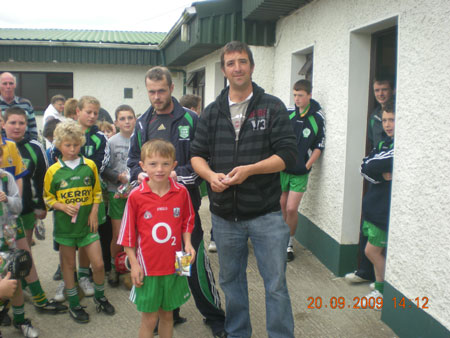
(242, 142)
(168, 120)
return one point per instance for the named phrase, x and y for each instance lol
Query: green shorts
(167, 292)
(28, 221)
(290, 182)
(20, 228)
(116, 206)
(101, 213)
(377, 237)
(78, 241)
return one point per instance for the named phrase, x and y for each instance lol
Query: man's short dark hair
(158, 73)
(123, 107)
(14, 111)
(190, 101)
(49, 128)
(385, 78)
(57, 98)
(236, 46)
(303, 85)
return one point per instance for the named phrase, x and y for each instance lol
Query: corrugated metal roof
(83, 36)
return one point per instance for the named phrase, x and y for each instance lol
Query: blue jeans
(269, 235)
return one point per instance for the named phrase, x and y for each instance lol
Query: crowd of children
(85, 155)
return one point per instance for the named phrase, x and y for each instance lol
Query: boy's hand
(40, 214)
(190, 250)
(69, 209)
(7, 286)
(93, 220)
(3, 197)
(123, 177)
(387, 176)
(137, 275)
(173, 175)
(142, 177)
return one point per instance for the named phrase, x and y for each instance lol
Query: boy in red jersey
(158, 215)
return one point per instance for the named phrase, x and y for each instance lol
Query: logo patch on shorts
(148, 215)
(176, 212)
(87, 180)
(306, 132)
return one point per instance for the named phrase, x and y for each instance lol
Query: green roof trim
(81, 36)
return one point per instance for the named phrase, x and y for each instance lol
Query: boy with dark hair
(33, 206)
(192, 102)
(309, 127)
(377, 170)
(116, 174)
(158, 220)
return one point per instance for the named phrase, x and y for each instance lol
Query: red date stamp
(365, 303)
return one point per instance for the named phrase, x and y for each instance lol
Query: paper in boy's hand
(74, 217)
(183, 263)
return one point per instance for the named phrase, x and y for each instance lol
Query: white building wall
(105, 82)
(419, 237)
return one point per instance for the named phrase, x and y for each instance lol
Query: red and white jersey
(154, 225)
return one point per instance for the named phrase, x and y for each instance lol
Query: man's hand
(141, 177)
(40, 214)
(238, 175)
(7, 286)
(218, 182)
(387, 176)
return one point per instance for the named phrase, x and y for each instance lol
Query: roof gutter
(51, 43)
(185, 17)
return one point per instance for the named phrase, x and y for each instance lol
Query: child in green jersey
(72, 189)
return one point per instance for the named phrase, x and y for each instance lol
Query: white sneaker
(27, 329)
(372, 286)
(86, 286)
(352, 277)
(375, 304)
(212, 247)
(59, 296)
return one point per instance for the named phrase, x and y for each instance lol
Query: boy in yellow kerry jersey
(72, 189)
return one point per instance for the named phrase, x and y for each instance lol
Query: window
(302, 67)
(196, 82)
(40, 87)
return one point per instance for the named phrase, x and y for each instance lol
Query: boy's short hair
(57, 98)
(384, 78)
(49, 128)
(70, 107)
(236, 46)
(158, 73)
(68, 130)
(303, 85)
(190, 101)
(84, 100)
(14, 111)
(105, 125)
(389, 107)
(158, 146)
(124, 107)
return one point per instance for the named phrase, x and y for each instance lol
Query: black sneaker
(113, 278)
(5, 319)
(58, 274)
(104, 305)
(51, 307)
(78, 314)
(290, 253)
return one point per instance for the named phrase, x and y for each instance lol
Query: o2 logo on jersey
(168, 231)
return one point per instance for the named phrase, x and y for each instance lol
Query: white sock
(291, 240)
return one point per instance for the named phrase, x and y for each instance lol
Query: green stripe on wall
(340, 259)
(409, 321)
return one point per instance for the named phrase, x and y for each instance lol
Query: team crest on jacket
(87, 180)
(148, 215)
(183, 131)
(306, 132)
(88, 150)
(176, 212)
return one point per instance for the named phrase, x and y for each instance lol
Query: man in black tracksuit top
(242, 142)
(167, 119)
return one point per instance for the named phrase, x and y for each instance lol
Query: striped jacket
(25, 104)
(266, 131)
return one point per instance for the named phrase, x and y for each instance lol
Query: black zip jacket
(310, 133)
(182, 130)
(266, 131)
(35, 159)
(377, 201)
